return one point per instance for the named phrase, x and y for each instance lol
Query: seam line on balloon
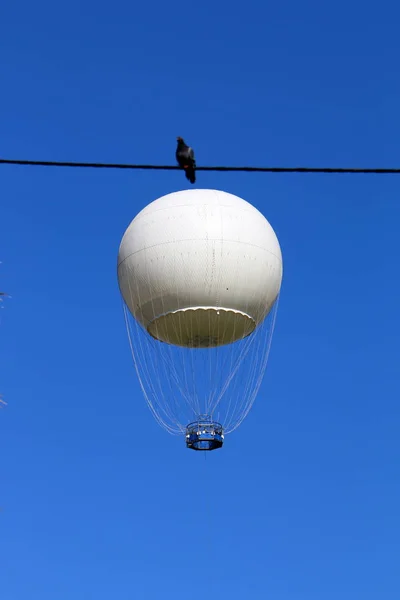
(198, 240)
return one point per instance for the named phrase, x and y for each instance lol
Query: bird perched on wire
(185, 158)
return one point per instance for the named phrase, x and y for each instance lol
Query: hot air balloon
(200, 273)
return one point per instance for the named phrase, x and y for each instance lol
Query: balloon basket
(204, 434)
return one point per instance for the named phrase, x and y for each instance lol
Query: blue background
(96, 500)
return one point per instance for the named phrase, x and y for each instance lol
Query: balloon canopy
(199, 268)
(199, 271)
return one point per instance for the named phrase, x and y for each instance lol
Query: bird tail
(190, 174)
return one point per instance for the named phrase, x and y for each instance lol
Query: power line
(51, 163)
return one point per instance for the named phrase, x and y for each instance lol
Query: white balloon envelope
(200, 273)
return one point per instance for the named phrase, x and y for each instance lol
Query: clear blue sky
(98, 501)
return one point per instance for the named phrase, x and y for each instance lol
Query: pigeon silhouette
(185, 158)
